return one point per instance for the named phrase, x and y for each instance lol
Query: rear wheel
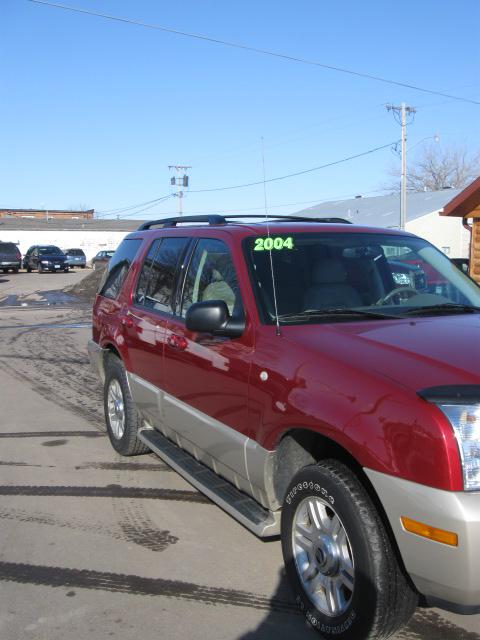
(5, 270)
(121, 415)
(339, 559)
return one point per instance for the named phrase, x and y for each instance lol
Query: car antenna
(275, 306)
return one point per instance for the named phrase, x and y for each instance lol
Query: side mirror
(212, 316)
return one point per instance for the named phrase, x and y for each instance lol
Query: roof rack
(221, 220)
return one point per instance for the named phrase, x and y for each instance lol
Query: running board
(246, 510)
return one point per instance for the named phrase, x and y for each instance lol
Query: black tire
(5, 270)
(128, 443)
(82, 266)
(382, 598)
(15, 270)
(29, 269)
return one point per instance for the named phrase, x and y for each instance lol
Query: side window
(157, 278)
(118, 267)
(211, 276)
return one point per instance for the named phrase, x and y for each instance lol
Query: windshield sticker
(278, 243)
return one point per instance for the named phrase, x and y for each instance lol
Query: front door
(206, 377)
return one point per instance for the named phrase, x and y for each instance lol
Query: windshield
(50, 251)
(334, 277)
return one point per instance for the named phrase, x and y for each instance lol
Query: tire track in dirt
(64, 376)
(139, 533)
(136, 585)
(109, 491)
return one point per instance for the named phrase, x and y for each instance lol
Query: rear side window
(157, 278)
(118, 267)
(8, 248)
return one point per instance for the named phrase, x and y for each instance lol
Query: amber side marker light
(432, 533)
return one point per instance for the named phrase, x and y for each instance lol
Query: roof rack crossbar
(215, 219)
(172, 222)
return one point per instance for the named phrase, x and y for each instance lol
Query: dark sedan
(45, 258)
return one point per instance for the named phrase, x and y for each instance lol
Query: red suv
(283, 368)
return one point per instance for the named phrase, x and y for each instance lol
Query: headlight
(465, 420)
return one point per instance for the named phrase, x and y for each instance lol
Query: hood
(417, 353)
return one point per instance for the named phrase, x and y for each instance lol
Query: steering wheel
(410, 291)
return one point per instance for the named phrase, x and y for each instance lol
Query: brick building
(47, 214)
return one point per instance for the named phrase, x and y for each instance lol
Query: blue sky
(93, 111)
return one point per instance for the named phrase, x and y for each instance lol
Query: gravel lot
(93, 545)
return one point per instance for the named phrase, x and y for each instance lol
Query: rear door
(146, 321)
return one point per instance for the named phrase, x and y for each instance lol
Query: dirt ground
(93, 545)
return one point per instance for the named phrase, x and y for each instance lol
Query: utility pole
(179, 181)
(400, 115)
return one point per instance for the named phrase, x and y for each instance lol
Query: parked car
(101, 259)
(286, 371)
(10, 257)
(45, 258)
(76, 258)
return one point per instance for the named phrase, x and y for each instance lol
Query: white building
(90, 235)
(423, 219)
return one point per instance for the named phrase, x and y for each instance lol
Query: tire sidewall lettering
(309, 486)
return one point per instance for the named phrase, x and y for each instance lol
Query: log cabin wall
(475, 247)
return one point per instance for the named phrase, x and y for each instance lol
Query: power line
(138, 208)
(297, 173)
(244, 47)
(151, 203)
(287, 204)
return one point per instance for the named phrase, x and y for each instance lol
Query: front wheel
(339, 559)
(121, 416)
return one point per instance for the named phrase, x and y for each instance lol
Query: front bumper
(96, 356)
(53, 267)
(10, 264)
(448, 577)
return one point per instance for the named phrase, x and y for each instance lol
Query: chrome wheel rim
(323, 556)
(116, 408)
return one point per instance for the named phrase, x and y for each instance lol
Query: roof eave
(465, 202)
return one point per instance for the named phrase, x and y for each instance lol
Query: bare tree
(436, 168)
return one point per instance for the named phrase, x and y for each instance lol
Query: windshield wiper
(446, 307)
(338, 312)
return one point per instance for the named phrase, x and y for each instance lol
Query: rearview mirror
(212, 316)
